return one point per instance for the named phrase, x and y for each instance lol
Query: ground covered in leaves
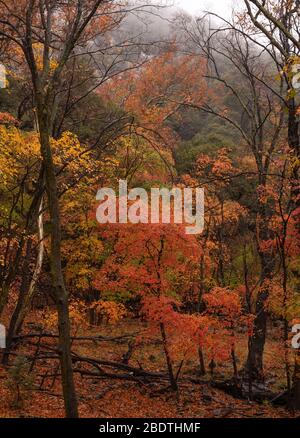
(122, 398)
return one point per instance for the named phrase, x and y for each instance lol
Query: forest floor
(109, 398)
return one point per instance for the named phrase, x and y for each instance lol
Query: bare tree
(279, 24)
(239, 70)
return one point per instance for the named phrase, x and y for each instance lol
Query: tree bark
(23, 288)
(256, 344)
(38, 267)
(27, 290)
(172, 379)
(257, 341)
(58, 284)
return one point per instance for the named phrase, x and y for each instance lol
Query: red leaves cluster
(8, 119)
(148, 259)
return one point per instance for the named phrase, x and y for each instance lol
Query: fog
(222, 7)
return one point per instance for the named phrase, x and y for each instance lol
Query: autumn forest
(139, 318)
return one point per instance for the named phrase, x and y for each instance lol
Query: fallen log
(240, 389)
(98, 338)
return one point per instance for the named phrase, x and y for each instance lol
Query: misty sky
(221, 7)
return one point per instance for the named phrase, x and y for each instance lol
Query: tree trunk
(172, 379)
(23, 288)
(10, 277)
(56, 267)
(293, 127)
(38, 267)
(257, 341)
(4, 296)
(27, 289)
(202, 370)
